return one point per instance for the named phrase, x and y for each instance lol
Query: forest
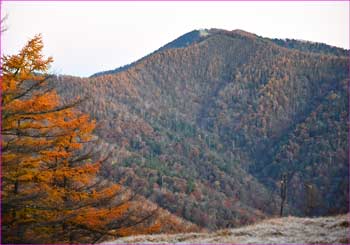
(205, 133)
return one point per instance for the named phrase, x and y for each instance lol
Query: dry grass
(325, 230)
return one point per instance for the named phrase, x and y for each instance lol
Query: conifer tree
(50, 190)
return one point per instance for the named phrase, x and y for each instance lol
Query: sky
(88, 37)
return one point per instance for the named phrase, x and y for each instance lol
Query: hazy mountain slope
(208, 124)
(325, 230)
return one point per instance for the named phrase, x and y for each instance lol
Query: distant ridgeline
(199, 35)
(206, 126)
(307, 46)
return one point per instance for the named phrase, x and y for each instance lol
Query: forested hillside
(207, 125)
(52, 189)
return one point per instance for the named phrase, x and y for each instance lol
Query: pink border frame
(166, 1)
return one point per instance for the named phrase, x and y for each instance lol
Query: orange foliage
(50, 190)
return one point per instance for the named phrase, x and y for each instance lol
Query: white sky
(88, 37)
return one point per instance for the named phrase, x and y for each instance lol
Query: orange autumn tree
(50, 190)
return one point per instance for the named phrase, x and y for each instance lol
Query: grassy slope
(331, 230)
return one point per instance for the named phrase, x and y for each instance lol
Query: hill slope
(325, 230)
(206, 126)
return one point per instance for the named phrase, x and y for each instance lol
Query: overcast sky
(88, 37)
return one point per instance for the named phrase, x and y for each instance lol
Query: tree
(283, 193)
(50, 188)
(311, 198)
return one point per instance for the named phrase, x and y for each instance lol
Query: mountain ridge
(195, 37)
(214, 124)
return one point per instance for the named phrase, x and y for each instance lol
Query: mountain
(197, 36)
(181, 42)
(325, 230)
(206, 126)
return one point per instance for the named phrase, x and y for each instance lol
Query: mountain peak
(203, 32)
(187, 39)
(199, 35)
